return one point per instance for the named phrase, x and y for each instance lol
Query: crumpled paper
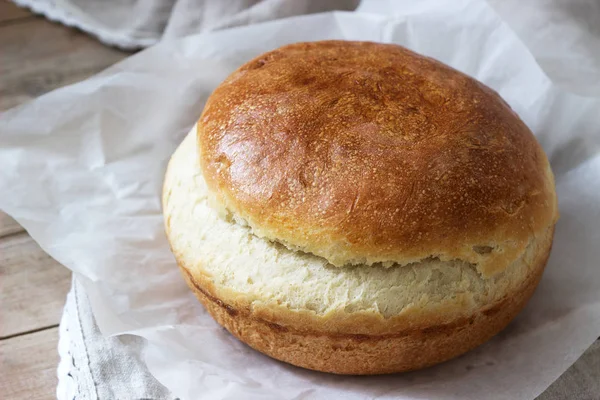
(82, 167)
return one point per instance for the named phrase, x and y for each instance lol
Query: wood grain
(38, 56)
(10, 12)
(28, 366)
(8, 226)
(33, 286)
(580, 381)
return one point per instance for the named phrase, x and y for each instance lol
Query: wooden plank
(28, 366)
(38, 56)
(33, 286)
(10, 12)
(8, 226)
(580, 381)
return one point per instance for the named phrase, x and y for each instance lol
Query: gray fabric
(93, 367)
(133, 24)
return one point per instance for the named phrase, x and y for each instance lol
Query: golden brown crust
(362, 152)
(354, 354)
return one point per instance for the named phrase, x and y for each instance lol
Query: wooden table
(36, 56)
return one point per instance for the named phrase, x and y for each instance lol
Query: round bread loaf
(357, 208)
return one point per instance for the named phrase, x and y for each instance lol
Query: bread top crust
(366, 153)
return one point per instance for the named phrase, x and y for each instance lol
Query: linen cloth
(94, 367)
(133, 24)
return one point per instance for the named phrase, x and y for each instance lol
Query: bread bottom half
(353, 354)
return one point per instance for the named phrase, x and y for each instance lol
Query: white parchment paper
(81, 169)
